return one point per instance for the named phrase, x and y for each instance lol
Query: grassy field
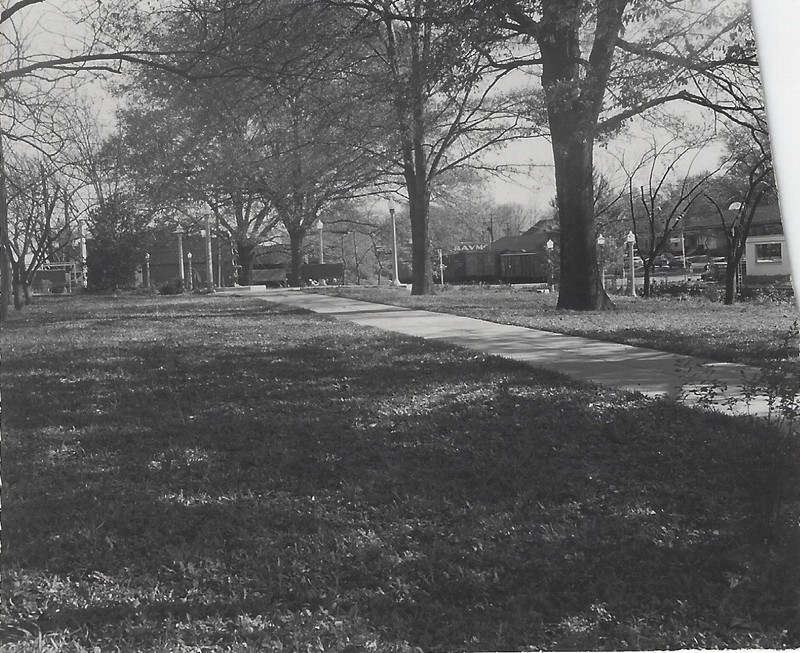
(220, 474)
(756, 333)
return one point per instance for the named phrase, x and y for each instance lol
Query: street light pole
(549, 245)
(147, 269)
(683, 256)
(209, 257)
(631, 239)
(82, 237)
(320, 226)
(601, 241)
(321, 244)
(179, 233)
(189, 281)
(395, 277)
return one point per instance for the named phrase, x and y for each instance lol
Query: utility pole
(209, 260)
(5, 262)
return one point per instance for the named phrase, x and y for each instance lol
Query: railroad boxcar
(482, 267)
(523, 267)
(455, 267)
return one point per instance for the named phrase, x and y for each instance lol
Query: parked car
(669, 261)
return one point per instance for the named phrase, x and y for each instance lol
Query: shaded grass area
(221, 474)
(761, 333)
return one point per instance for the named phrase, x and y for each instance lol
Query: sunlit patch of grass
(244, 476)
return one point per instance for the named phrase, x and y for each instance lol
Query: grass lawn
(220, 474)
(756, 333)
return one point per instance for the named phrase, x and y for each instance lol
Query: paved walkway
(651, 372)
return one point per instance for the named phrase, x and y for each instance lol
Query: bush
(779, 294)
(712, 292)
(172, 287)
(58, 289)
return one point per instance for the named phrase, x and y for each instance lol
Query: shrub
(172, 287)
(58, 289)
(779, 294)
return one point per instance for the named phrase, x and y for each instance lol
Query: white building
(767, 259)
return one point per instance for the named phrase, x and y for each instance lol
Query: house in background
(704, 233)
(766, 260)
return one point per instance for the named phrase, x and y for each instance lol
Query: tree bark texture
(245, 252)
(5, 258)
(647, 281)
(421, 269)
(409, 101)
(581, 285)
(17, 275)
(574, 89)
(296, 237)
(730, 282)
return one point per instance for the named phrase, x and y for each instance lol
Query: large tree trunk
(736, 247)
(574, 98)
(245, 252)
(296, 237)
(647, 281)
(17, 282)
(581, 286)
(732, 260)
(730, 285)
(421, 269)
(5, 259)
(5, 283)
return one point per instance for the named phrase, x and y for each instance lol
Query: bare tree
(602, 63)
(445, 104)
(750, 178)
(658, 205)
(40, 222)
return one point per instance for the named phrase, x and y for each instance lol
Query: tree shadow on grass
(434, 496)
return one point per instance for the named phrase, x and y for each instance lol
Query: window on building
(768, 253)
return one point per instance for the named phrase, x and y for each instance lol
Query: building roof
(530, 241)
(705, 218)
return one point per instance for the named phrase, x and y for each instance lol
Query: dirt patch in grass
(761, 333)
(186, 474)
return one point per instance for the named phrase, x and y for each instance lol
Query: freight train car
(482, 266)
(490, 266)
(455, 267)
(523, 267)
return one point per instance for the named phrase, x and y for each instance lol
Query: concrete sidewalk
(651, 372)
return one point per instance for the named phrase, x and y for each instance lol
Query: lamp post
(683, 249)
(395, 277)
(549, 246)
(189, 280)
(320, 226)
(321, 244)
(209, 256)
(147, 270)
(601, 241)
(82, 236)
(179, 233)
(631, 239)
